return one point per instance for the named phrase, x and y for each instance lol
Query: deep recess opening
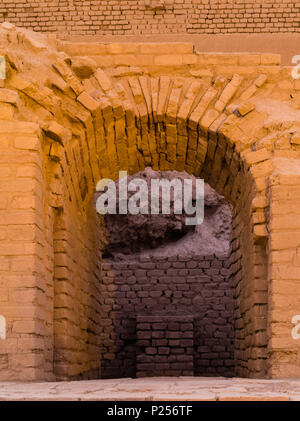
(167, 299)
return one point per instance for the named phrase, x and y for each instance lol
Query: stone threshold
(155, 389)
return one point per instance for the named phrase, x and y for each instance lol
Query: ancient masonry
(173, 316)
(131, 17)
(65, 121)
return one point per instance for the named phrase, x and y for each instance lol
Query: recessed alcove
(167, 292)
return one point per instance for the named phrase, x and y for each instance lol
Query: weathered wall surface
(156, 58)
(71, 18)
(196, 286)
(168, 234)
(165, 345)
(229, 122)
(23, 287)
(284, 264)
(48, 280)
(76, 309)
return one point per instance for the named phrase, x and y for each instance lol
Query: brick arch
(62, 133)
(187, 129)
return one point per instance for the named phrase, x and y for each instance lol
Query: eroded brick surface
(154, 16)
(193, 299)
(165, 346)
(230, 119)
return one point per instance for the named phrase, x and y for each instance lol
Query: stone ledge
(155, 389)
(163, 54)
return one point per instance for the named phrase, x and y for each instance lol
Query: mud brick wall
(132, 17)
(197, 287)
(49, 165)
(165, 346)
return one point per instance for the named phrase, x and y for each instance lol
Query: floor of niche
(155, 389)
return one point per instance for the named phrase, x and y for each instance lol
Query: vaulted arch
(70, 131)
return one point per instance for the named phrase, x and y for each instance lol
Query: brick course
(132, 17)
(169, 349)
(146, 299)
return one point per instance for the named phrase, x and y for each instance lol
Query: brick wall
(22, 269)
(112, 17)
(284, 252)
(165, 345)
(157, 57)
(73, 140)
(196, 288)
(48, 269)
(74, 295)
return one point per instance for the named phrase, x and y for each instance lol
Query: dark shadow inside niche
(129, 235)
(167, 298)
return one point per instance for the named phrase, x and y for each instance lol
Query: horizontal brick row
(165, 311)
(165, 354)
(153, 17)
